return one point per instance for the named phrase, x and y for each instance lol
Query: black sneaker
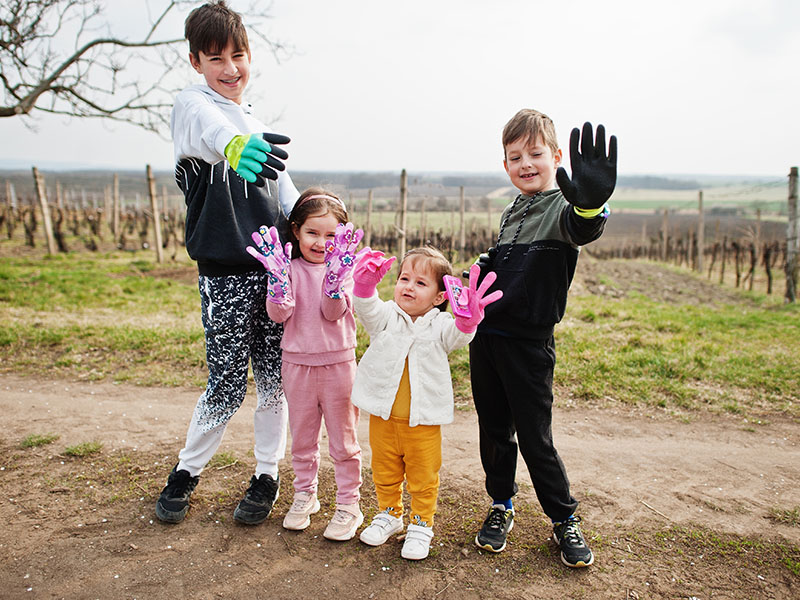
(498, 523)
(258, 500)
(173, 503)
(574, 551)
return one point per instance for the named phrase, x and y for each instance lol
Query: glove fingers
(600, 142)
(574, 140)
(268, 172)
(276, 138)
(358, 235)
(384, 268)
(474, 274)
(493, 297)
(587, 149)
(486, 283)
(259, 182)
(565, 183)
(612, 151)
(274, 163)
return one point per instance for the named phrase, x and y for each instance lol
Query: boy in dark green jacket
(513, 354)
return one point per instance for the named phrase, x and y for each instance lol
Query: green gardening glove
(255, 156)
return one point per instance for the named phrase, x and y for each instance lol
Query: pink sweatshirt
(317, 330)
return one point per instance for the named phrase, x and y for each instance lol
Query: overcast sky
(695, 87)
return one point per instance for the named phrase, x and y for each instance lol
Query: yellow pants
(411, 453)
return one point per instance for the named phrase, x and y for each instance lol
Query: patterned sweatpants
(237, 332)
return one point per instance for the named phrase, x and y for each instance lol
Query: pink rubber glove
(340, 258)
(370, 269)
(276, 261)
(476, 300)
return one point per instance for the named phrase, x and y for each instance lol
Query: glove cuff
(363, 289)
(466, 327)
(591, 213)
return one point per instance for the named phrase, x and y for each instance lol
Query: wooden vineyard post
(665, 236)
(41, 193)
(401, 233)
(422, 228)
(151, 184)
(367, 224)
(115, 216)
(791, 240)
(462, 234)
(701, 225)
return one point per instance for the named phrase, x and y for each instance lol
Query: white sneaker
(418, 542)
(384, 525)
(299, 516)
(344, 523)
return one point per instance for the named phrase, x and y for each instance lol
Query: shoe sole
(350, 534)
(576, 565)
(305, 523)
(170, 516)
(488, 546)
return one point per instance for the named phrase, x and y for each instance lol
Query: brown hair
(434, 261)
(210, 27)
(314, 201)
(530, 124)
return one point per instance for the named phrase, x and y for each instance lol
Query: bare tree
(60, 57)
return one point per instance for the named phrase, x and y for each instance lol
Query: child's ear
(557, 157)
(195, 62)
(439, 299)
(505, 165)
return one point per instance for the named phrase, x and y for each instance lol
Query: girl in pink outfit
(310, 292)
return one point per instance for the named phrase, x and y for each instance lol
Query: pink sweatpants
(313, 393)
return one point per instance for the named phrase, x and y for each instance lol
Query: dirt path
(65, 536)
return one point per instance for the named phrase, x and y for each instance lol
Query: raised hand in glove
(256, 156)
(370, 268)
(340, 258)
(475, 299)
(276, 261)
(594, 174)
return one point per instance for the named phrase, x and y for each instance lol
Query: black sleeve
(581, 231)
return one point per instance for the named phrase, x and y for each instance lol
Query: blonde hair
(529, 124)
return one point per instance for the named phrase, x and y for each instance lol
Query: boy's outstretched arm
(594, 174)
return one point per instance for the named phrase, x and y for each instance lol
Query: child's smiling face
(227, 73)
(416, 290)
(531, 165)
(312, 235)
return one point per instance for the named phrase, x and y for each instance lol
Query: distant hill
(91, 183)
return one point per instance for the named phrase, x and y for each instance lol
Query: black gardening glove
(594, 174)
(484, 261)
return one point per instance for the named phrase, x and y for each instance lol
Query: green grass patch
(84, 449)
(786, 516)
(35, 440)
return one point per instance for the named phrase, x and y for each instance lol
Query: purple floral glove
(340, 258)
(276, 261)
(476, 300)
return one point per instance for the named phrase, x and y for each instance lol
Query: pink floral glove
(276, 261)
(369, 270)
(340, 258)
(476, 300)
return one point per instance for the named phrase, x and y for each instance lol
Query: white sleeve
(199, 128)
(287, 192)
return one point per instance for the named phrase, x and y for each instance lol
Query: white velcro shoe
(418, 542)
(384, 525)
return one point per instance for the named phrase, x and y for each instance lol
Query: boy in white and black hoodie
(229, 168)
(512, 356)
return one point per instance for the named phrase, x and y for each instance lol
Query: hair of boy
(432, 261)
(314, 201)
(529, 124)
(210, 27)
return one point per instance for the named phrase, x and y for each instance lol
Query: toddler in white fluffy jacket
(403, 382)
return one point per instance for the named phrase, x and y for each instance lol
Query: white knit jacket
(426, 342)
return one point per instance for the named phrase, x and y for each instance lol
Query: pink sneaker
(344, 523)
(299, 516)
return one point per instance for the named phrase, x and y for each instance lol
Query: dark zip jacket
(534, 259)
